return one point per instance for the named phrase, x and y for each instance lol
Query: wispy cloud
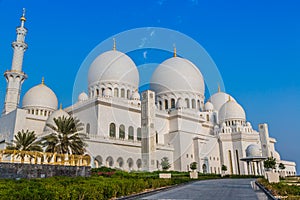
(145, 54)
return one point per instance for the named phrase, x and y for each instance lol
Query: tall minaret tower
(15, 77)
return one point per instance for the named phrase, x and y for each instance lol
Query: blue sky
(255, 45)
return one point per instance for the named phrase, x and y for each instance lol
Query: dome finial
(43, 81)
(23, 19)
(60, 106)
(219, 88)
(229, 98)
(175, 53)
(114, 46)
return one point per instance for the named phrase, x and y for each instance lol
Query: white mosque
(134, 132)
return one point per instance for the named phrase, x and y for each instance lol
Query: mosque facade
(134, 130)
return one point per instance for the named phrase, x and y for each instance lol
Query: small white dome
(253, 150)
(82, 97)
(219, 99)
(177, 75)
(107, 92)
(223, 125)
(276, 155)
(208, 106)
(113, 66)
(135, 96)
(180, 103)
(231, 111)
(56, 114)
(40, 96)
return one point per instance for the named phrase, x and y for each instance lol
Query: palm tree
(24, 141)
(270, 163)
(66, 137)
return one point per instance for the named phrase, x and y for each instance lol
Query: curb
(143, 194)
(267, 192)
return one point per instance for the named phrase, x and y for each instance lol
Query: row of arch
(119, 162)
(165, 104)
(122, 134)
(114, 92)
(235, 122)
(39, 112)
(236, 129)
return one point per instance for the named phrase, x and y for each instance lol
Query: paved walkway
(230, 189)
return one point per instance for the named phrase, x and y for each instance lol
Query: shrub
(193, 165)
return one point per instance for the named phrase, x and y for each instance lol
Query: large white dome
(115, 67)
(219, 99)
(40, 96)
(253, 150)
(231, 110)
(177, 75)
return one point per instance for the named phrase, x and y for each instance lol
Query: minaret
(15, 77)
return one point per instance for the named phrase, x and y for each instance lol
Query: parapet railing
(35, 157)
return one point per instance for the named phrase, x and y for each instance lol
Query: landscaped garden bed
(286, 189)
(104, 183)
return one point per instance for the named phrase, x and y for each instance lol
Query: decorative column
(148, 131)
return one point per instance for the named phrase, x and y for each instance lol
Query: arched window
(98, 161)
(130, 163)
(116, 92)
(172, 103)
(88, 128)
(187, 103)
(97, 92)
(204, 168)
(123, 93)
(139, 163)
(130, 133)
(139, 134)
(109, 161)
(207, 118)
(122, 132)
(198, 104)
(166, 104)
(120, 162)
(160, 105)
(112, 130)
(128, 94)
(193, 103)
